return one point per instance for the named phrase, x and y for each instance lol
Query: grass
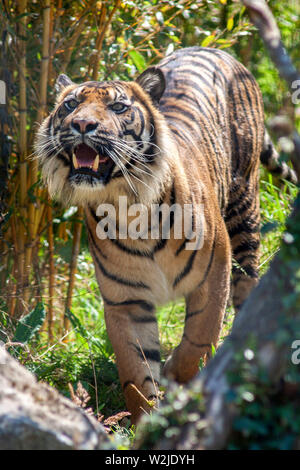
(85, 355)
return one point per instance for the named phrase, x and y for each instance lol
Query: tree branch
(262, 17)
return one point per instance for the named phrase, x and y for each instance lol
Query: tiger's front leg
(133, 332)
(205, 308)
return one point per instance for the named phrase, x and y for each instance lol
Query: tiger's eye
(71, 104)
(119, 107)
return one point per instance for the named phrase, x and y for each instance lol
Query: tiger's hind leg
(243, 224)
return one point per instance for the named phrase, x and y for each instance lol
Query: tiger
(187, 131)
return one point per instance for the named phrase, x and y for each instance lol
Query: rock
(34, 416)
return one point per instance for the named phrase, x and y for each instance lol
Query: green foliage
(83, 357)
(275, 204)
(30, 324)
(181, 407)
(268, 413)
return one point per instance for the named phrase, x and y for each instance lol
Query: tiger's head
(104, 139)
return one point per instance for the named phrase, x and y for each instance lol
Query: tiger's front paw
(180, 368)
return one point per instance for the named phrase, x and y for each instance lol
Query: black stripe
(187, 267)
(187, 239)
(245, 270)
(276, 171)
(63, 159)
(173, 194)
(132, 133)
(168, 223)
(93, 213)
(245, 226)
(115, 278)
(121, 246)
(198, 53)
(93, 242)
(50, 125)
(142, 119)
(160, 245)
(125, 384)
(144, 319)
(180, 96)
(196, 344)
(266, 155)
(131, 251)
(212, 254)
(238, 200)
(182, 246)
(149, 354)
(178, 109)
(200, 106)
(247, 245)
(180, 135)
(150, 379)
(196, 312)
(202, 63)
(248, 256)
(147, 306)
(236, 211)
(200, 77)
(196, 86)
(152, 397)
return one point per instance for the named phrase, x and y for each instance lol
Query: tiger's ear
(153, 82)
(62, 82)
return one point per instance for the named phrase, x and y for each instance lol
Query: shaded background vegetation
(46, 271)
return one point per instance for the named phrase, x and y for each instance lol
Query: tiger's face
(100, 135)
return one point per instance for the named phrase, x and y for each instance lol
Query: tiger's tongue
(85, 155)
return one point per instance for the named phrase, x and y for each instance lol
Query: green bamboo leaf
(30, 324)
(138, 60)
(208, 40)
(230, 23)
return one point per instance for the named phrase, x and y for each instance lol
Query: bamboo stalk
(51, 270)
(72, 42)
(22, 4)
(51, 43)
(73, 264)
(62, 231)
(45, 60)
(99, 40)
(35, 210)
(103, 26)
(12, 288)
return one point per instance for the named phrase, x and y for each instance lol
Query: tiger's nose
(84, 125)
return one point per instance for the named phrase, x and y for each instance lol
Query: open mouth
(86, 161)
